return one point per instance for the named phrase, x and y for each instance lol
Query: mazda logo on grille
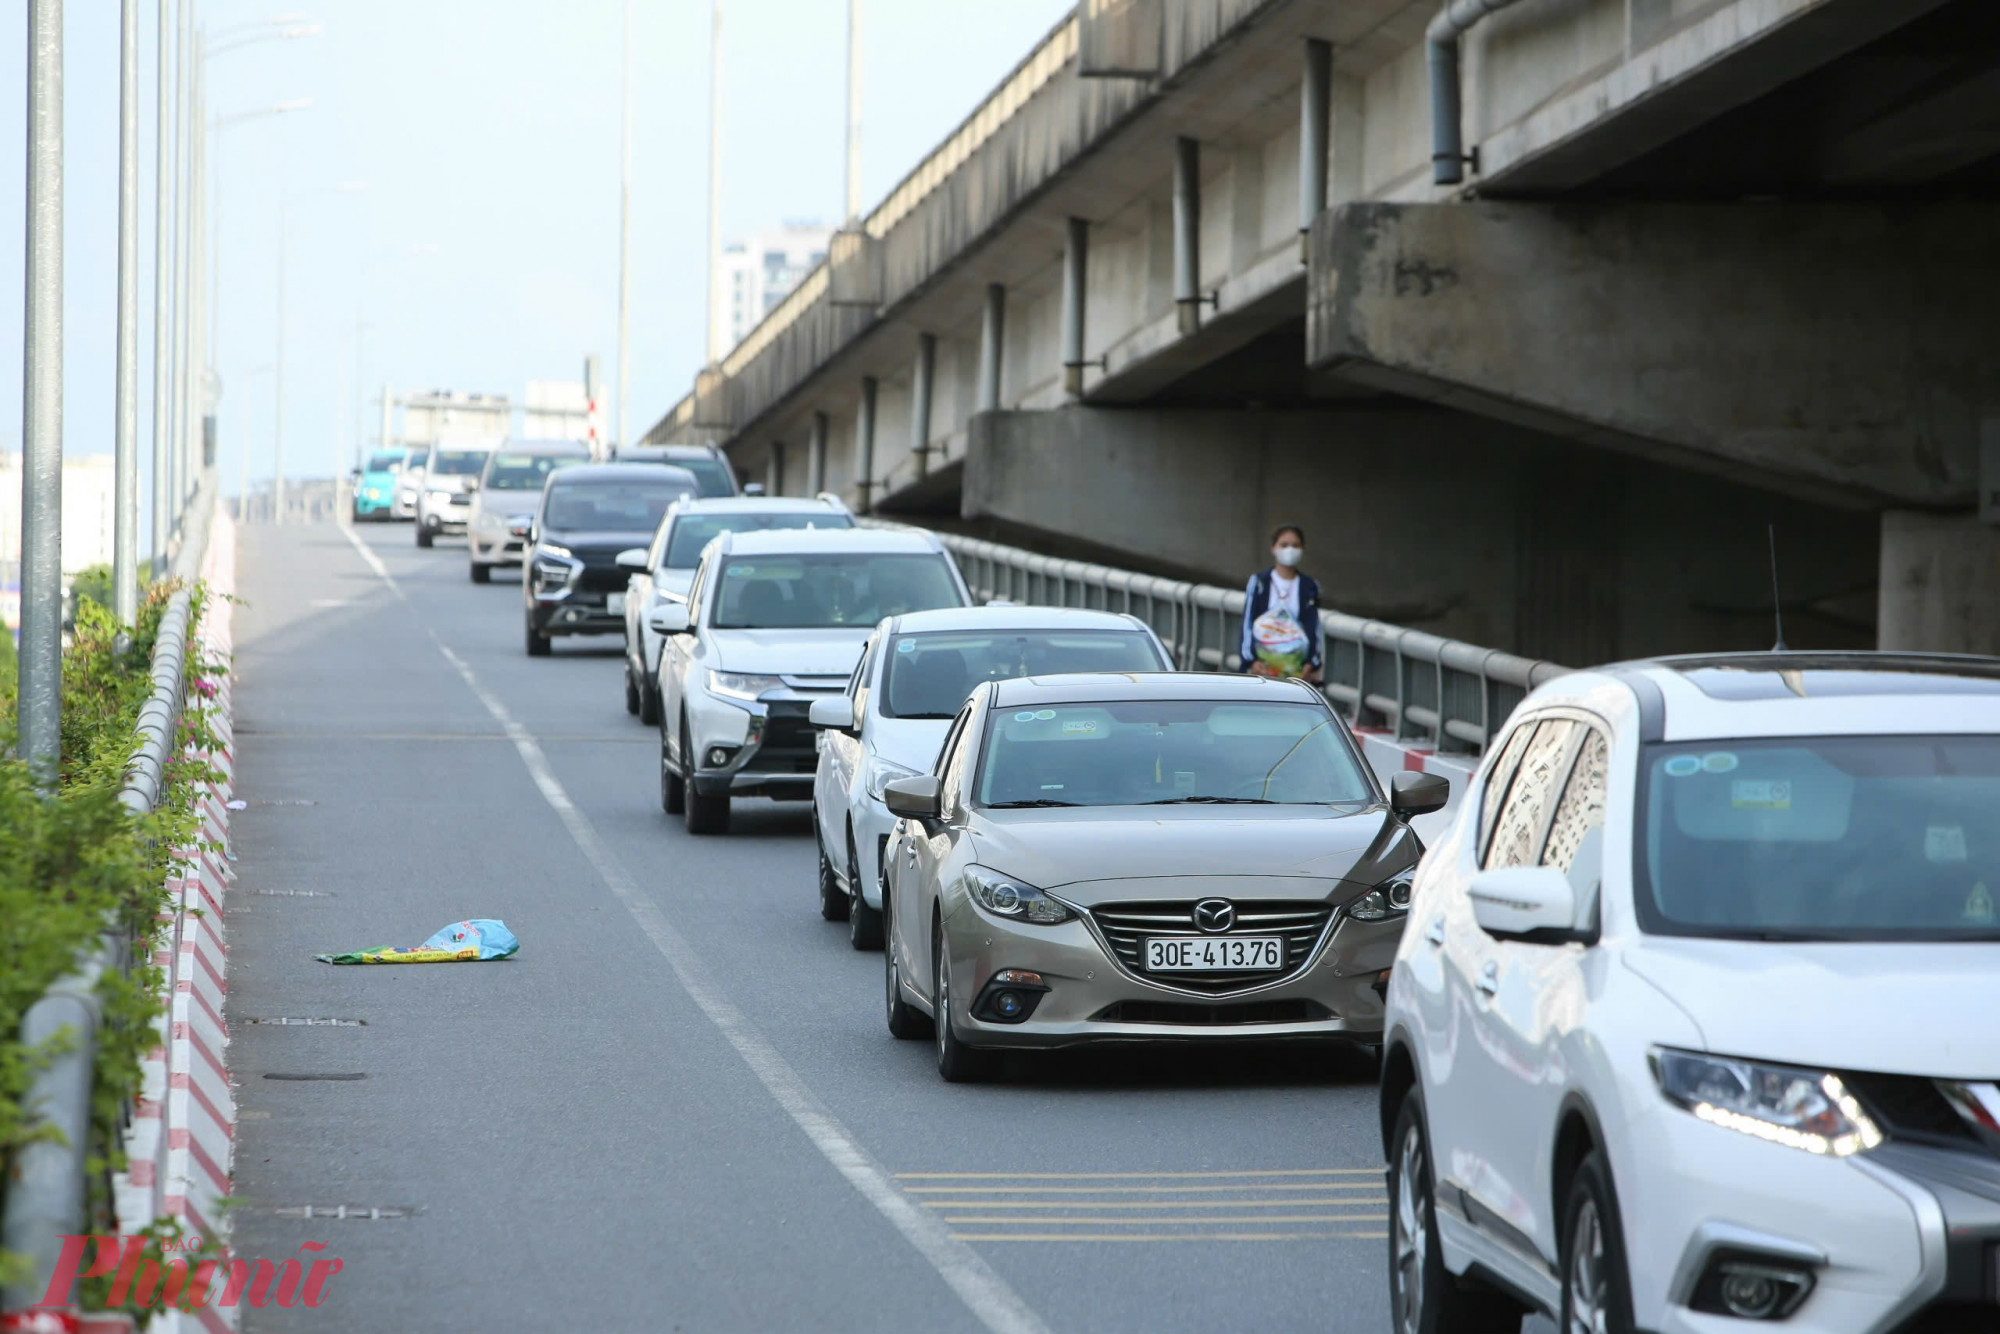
(1215, 914)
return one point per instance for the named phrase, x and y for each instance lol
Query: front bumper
(1093, 998)
(1904, 1238)
(495, 548)
(445, 519)
(768, 748)
(369, 505)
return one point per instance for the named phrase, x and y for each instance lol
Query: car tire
(832, 901)
(1424, 1297)
(704, 813)
(864, 924)
(423, 535)
(481, 574)
(631, 691)
(1596, 1293)
(649, 704)
(673, 792)
(905, 1020)
(956, 1062)
(538, 643)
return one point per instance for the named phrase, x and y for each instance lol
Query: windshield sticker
(907, 646)
(1718, 762)
(1979, 903)
(739, 571)
(1183, 780)
(1043, 715)
(1944, 843)
(1760, 794)
(1025, 716)
(1680, 766)
(1079, 727)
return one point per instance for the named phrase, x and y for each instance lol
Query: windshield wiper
(926, 717)
(1211, 801)
(1022, 805)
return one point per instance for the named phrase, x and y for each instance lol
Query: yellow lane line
(1173, 1236)
(1157, 1222)
(1341, 1201)
(1136, 1176)
(1142, 1190)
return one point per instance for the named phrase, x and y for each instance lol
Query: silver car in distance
(1145, 857)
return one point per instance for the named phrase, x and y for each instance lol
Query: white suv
(1694, 1027)
(892, 718)
(774, 621)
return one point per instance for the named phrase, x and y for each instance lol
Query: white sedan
(1693, 1026)
(890, 721)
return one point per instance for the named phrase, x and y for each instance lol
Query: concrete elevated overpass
(1535, 314)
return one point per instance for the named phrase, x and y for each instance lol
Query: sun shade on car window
(526, 472)
(610, 507)
(692, 532)
(1837, 838)
(1160, 752)
(930, 674)
(823, 590)
(458, 462)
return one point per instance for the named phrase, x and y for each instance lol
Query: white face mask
(1289, 556)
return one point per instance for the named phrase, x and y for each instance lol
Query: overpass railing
(1420, 687)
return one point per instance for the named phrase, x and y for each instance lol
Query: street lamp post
(39, 715)
(125, 522)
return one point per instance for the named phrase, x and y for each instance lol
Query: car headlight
(1388, 900)
(738, 685)
(1801, 1109)
(552, 549)
(438, 497)
(1015, 900)
(882, 772)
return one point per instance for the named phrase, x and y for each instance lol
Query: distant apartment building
(760, 271)
(454, 415)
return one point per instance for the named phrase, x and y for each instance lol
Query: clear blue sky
(484, 253)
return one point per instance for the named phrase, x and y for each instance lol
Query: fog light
(1752, 1288)
(1749, 1295)
(717, 757)
(1007, 1004)
(1010, 996)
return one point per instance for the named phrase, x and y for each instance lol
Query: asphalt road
(677, 1107)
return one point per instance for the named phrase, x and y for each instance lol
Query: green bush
(78, 860)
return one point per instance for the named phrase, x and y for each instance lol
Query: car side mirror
(471, 485)
(753, 489)
(1530, 903)
(833, 714)
(1412, 793)
(669, 618)
(914, 798)
(632, 558)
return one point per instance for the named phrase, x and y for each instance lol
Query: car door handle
(1489, 980)
(1436, 934)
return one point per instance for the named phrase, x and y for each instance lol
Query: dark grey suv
(572, 583)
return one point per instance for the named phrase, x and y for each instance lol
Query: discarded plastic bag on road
(476, 940)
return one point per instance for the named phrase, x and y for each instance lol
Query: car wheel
(538, 644)
(631, 691)
(423, 535)
(1424, 1298)
(649, 704)
(481, 574)
(864, 924)
(958, 1063)
(1596, 1296)
(673, 792)
(905, 1020)
(832, 902)
(704, 813)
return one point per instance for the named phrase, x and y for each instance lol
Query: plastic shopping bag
(478, 939)
(1279, 644)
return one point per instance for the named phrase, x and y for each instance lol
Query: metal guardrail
(46, 1198)
(1421, 687)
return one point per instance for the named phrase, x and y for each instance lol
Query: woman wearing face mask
(1281, 613)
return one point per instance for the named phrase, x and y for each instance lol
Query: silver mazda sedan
(1138, 857)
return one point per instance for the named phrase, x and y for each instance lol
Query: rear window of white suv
(1822, 838)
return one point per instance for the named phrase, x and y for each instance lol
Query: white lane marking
(984, 1292)
(373, 561)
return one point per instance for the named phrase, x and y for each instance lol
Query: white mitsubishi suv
(1696, 1025)
(773, 621)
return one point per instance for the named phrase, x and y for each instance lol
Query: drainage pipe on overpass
(1448, 157)
(1187, 233)
(1076, 255)
(992, 329)
(920, 401)
(1315, 113)
(816, 455)
(864, 443)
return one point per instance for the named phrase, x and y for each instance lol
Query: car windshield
(1169, 752)
(828, 589)
(458, 462)
(692, 532)
(1822, 838)
(385, 462)
(526, 472)
(711, 475)
(416, 459)
(929, 675)
(611, 507)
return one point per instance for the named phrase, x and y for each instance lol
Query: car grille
(1125, 927)
(790, 743)
(1218, 1016)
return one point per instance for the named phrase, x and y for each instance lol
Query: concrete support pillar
(1076, 258)
(816, 455)
(1315, 113)
(774, 471)
(864, 443)
(992, 335)
(922, 377)
(1940, 587)
(1187, 233)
